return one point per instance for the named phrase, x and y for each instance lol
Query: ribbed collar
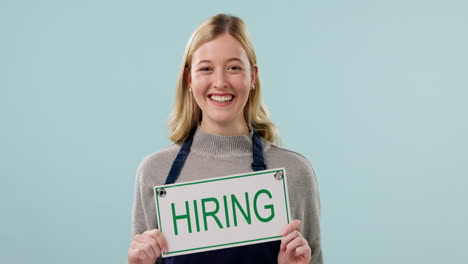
(221, 145)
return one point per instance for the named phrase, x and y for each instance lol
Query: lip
(221, 94)
(221, 103)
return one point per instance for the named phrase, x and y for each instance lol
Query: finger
(286, 239)
(159, 236)
(293, 225)
(304, 250)
(151, 242)
(146, 248)
(141, 243)
(135, 254)
(295, 243)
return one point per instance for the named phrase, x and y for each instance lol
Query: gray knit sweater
(215, 155)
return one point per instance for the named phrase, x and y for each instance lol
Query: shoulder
(158, 161)
(289, 157)
(297, 166)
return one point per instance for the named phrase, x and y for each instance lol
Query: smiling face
(221, 79)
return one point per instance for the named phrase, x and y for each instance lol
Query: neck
(228, 129)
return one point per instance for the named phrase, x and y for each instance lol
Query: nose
(220, 80)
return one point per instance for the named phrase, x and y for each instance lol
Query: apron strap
(179, 160)
(257, 151)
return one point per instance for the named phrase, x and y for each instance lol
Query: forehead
(219, 49)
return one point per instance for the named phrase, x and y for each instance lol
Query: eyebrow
(229, 60)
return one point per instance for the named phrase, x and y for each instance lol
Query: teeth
(222, 99)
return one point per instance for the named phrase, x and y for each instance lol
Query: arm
(305, 204)
(139, 224)
(312, 218)
(146, 246)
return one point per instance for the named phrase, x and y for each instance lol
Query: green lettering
(269, 206)
(195, 207)
(226, 212)
(179, 217)
(235, 203)
(212, 213)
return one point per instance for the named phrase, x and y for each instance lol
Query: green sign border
(222, 179)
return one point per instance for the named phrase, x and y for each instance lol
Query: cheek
(200, 82)
(199, 90)
(199, 95)
(241, 82)
(243, 87)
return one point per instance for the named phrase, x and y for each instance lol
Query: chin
(222, 118)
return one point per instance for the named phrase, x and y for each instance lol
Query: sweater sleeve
(312, 219)
(303, 195)
(139, 224)
(305, 202)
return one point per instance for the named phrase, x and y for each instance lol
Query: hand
(294, 248)
(146, 248)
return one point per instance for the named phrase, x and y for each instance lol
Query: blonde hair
(186, 114)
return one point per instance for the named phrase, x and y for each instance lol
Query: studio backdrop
(373, 93)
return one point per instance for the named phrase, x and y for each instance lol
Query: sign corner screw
(279, 175)
(161, 192)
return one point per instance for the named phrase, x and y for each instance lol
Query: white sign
(223, 212)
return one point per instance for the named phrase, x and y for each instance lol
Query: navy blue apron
(258, 253)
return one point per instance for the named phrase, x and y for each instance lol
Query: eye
(234, 68)
(205, 69)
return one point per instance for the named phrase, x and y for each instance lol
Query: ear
(253, 74)
(187, 76)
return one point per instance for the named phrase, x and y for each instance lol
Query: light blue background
(374, 93)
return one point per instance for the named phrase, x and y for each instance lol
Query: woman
(217, 116)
